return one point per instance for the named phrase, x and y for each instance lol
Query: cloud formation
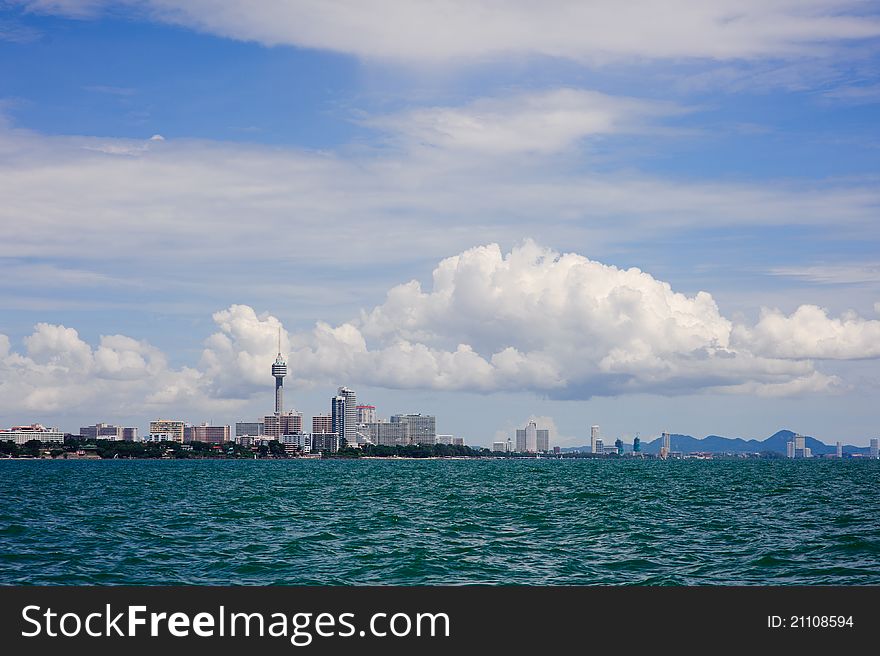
(539, 122)
(595, 32)
(529, 319)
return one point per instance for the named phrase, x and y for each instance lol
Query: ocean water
(556, 522)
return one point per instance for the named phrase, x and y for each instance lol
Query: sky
(662, 216)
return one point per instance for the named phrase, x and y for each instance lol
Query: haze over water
(572, 522)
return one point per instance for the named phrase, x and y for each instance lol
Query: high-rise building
(325, 442)
(402, 430)
(252, 428)
(337, 417)
(420, 429)
(130, 434)
(543, 440)
(279, 371)
(618, 443)
(102, 431)
(366, 414)
(287, 423)
(666, 445)
(840, 449)
(874, 449)
(388, 433)
(170, 427)
(349, 425)
(637, 445)
(527, 439)
(24, 434)
(598, 446)
(322, 423)
(206, 434)
(594, 435)
(789, 449)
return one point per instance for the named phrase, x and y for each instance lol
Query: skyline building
(420, 429)
(102, 431)
(287, 423)
(337, 418)
(322, 423)
(170, 427)
(349, 432)
(637, 445)
(594, 436)
(366, 414)
(839, 449)
(207, 434)
(532, 439)
(279, 371)
(24, 434)
(874, 448)
(252, 428)
(666, 445)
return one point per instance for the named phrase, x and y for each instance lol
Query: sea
(440, 522)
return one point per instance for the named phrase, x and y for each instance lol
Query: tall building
(349, 433)
(637, 445)
(170, 427)
(388, 433)
(24, 434)
(322, 423)
(366, 414)
(618, 443)
(420, 429)
(252, 428)
(532, 439)
(543, 440)
(286, 423)
(875, 448)
(666, 445)
(130, 434)
(594, 435)
(325, 442)
(337, 417)
(102, 431)
(599, 446)
(840, 449)
(279, 371)
(207, 434)
(403, 430)
(789, 449)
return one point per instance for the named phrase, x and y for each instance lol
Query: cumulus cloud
(810, 333)
(58, 370)
(593, 32)
(531, 319)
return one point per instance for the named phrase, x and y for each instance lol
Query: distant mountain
(717, 444)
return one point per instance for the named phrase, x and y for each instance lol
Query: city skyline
(673, 232)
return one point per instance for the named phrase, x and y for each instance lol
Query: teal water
(439, 522)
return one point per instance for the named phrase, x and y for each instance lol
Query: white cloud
(535, 122)
(169, 202)
(531, 319)
(810, 333)
(595, 32)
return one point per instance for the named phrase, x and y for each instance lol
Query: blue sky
(188, 176)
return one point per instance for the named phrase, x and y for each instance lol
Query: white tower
(279, 370)
(594, 435)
